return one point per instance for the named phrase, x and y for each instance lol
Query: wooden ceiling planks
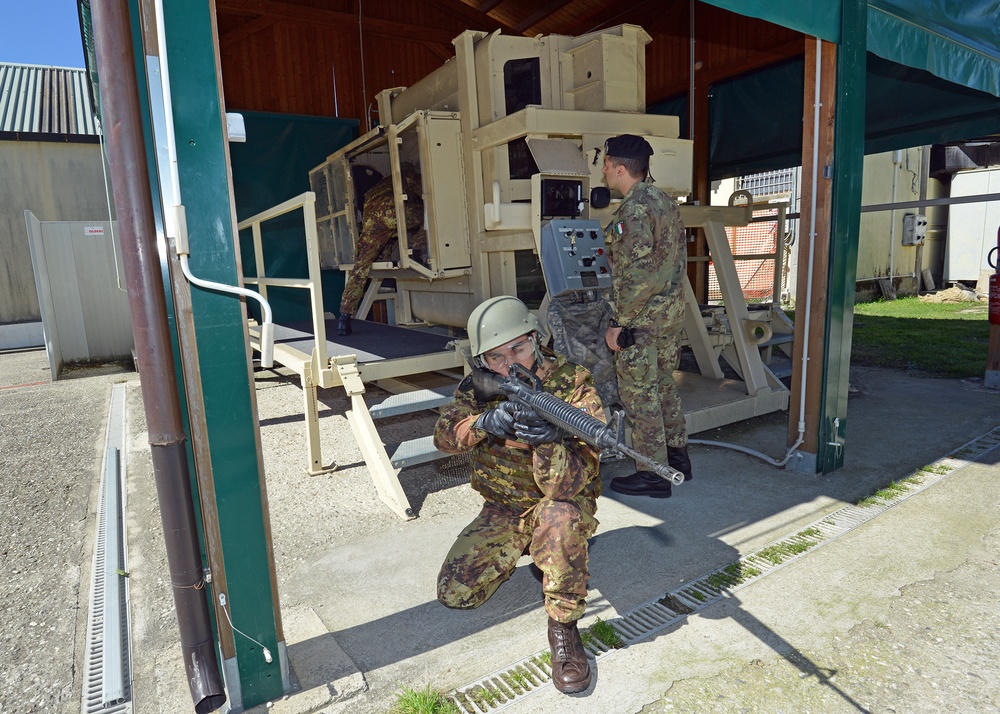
(309, 56)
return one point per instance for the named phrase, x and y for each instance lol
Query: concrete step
(413, 452)
(415, 401)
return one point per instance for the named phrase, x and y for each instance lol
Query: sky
(45, 32)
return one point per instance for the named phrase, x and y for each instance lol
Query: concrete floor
(356, 583)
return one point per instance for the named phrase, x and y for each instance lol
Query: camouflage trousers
(371, 247)
(486, 553)
(644, 370)
(577, 329)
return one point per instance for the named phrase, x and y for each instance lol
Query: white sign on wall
(93, 230)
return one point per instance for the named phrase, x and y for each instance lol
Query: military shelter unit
(264, 125)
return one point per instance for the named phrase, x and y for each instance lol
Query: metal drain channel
(107, 666)
(505, 687)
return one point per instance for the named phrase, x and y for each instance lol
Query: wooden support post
(701, 186)
(814, 243)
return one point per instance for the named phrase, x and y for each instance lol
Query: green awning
(818, 18)
(956, 41)
(755, 121)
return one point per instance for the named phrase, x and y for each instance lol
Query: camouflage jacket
(379, 212)
(515, 474)
(646, 248)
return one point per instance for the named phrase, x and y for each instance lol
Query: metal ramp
(393, 358)
(385, 355)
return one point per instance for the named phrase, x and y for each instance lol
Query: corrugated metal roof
(45, 100)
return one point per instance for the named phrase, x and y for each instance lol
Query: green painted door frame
(848, 166)
(239, 508)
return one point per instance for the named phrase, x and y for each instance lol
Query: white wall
(56, 181)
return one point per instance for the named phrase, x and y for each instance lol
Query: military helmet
(499, 320)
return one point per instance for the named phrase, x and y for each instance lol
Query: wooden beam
(248, 29)
(701, 187)
(814, 243)
(314, 16)
(474, 19)
(754, 61)
(539, 15)
(485, 7)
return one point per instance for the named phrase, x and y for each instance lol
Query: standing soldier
(540, 485)
(378, 228)
(647, 253)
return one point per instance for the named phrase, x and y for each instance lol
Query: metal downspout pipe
(147, 302)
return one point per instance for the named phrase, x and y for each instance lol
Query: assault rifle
(525, 388)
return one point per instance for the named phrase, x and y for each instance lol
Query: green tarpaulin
(958, 41)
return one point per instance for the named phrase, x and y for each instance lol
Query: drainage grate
(107, 685)
(503, 688)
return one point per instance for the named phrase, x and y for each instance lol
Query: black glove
(498, 421)
(626, 338)
(531, 429)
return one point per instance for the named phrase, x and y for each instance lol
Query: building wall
(890, 177)
(57, 181)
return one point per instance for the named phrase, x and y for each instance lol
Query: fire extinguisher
(994, 296)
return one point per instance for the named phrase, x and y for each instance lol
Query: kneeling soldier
(539, 484)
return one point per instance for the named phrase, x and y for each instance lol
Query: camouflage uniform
(378, 229)
(646, 248)
(542, 498)
(571, 319)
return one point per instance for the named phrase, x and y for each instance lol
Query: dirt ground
(47, 511)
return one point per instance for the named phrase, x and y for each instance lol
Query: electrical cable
(265, 650)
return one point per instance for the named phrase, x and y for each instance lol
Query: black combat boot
(642, 483)
(570, 668)
(344, 324)
(677, 459)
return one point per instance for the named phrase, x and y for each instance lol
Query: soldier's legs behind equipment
(643, 369)
(637, 379)
(370, 246)
(674, 426)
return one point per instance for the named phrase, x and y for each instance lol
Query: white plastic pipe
(176, 218)
(896, 161)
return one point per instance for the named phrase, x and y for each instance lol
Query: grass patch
(732, 575)
(425, 701)
(484, 695)
(895, 488)
(779, 552)
(606, 633)
(519, 679)
(944, 339)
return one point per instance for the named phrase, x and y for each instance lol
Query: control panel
(574, 256)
